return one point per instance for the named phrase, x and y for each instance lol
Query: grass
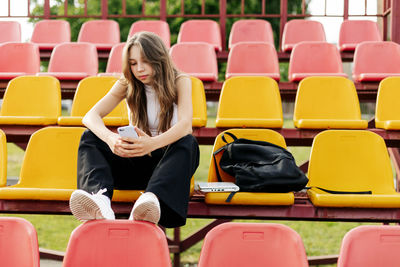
(320, 238)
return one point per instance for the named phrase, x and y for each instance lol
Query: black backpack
(259, 166)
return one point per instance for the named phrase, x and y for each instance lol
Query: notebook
(217, 187)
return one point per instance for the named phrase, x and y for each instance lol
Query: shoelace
(100, 192)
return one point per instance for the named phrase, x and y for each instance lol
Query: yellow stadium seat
(3, 159)
(90, 90)
(387, 112)
(327, 103)
(351, 161)
(199, 103)
(246, 198)
(250, 102)
(31, 100)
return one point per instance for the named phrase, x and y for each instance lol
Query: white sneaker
(146, 208)
(85, 206)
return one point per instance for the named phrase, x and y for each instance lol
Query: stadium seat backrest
(327, 101)
(315, 58)
(100, 32)
(10, 31)
(27, 97)
(252, 244)
(251, 30)
(3, 159)
(159, 27)
(253, 134)
(199, 103)
(89, 91)
(50, 158)
(196, 59)
(370, 246)
(119, 243)
(114, 62)
(350, 160)
(47, 33)
(253, 59)
(250, 102)
(19, 58)
(387, 111)
(18, 242)
(201, 31)
(74, 57)
(298, 30)
(353, 32)
(374, 61)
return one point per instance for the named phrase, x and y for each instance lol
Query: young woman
(160, 161)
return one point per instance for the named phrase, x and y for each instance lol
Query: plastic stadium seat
(114, 62)
(250, 102)
(19, 243)
(159, 27)
(31, 100)
(370, 246)
(119, 243)
(17, 59)
(314, 59)
(199, 103)
(89, 91)
(10, 31)
(253, 59)
(387, 112)
(252, 244)
(201, 31)
(48, 33)
(298, 30)
(246, 198)
(353, 32)
(73, 61)
(327, 103)
(351, 161)
(251, 30)
(374, 61)
(196, 59)
(102, 33)
(3, 159)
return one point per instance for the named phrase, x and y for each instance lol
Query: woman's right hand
(118, 146)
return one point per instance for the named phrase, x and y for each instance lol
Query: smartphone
(127, 131)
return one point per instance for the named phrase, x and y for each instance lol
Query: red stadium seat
(370, 246)
(102, 33)
(18, 59)
(48, 33)
(314, 59)
(196, 59)
(353, 32)
(252, 244)
(159, 27)
(73, 61)
(298, 30)
(251, 30)
(114, 63)
(374, 61)
(19, 243)
(119, 243)
(10, 31)
(201, 31)
(253, 59)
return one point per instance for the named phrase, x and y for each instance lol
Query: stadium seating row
(245, 102)
(125, 243)
(105, 33)
(373, 61)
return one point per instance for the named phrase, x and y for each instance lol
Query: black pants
(166, 173)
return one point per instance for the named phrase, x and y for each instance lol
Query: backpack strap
(342, 192)
(221, 149)
(229, 198)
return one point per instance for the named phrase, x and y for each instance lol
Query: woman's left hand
(142, 145)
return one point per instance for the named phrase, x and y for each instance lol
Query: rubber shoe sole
(84, 207)
(147, 211)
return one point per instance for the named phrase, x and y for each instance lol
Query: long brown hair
(163, 81)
